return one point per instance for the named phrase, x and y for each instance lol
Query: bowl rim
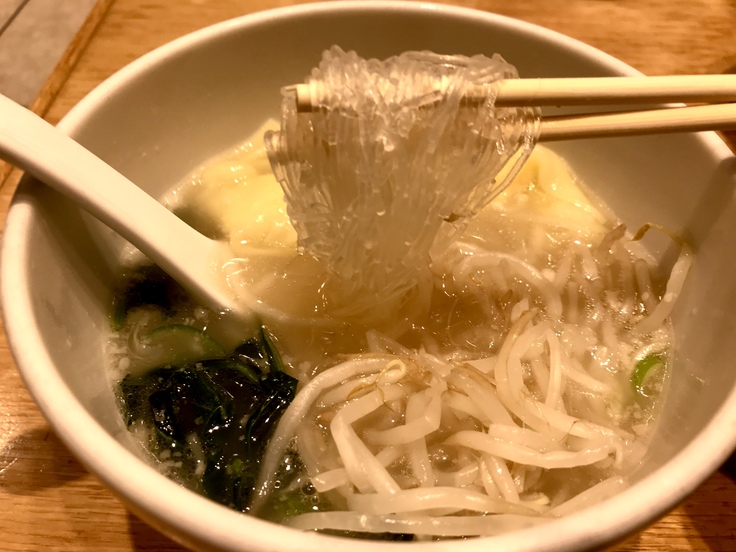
(200, 522)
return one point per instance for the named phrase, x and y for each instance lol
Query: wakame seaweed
(213, 417)
(145, 286)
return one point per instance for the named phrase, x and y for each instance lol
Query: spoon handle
(32, 144)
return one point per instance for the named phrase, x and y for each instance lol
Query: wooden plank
(61, 72)
(9, 10)
(32, 41)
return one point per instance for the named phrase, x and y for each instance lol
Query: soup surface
(518, 380)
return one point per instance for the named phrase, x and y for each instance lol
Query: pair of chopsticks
(719, 91)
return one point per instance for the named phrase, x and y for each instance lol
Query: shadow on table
(709, 509)
(145, 537)
(632, 544)
(704, 521)
(729, 468)
(35, 460)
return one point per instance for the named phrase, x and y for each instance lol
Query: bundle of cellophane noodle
(394, 160)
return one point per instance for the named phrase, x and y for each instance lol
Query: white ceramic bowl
(166, 113)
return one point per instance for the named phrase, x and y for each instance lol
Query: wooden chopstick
(616, 90)
(581, 91)
(632, 123)
(628, 91)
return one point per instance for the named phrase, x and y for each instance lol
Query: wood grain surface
(48, 501)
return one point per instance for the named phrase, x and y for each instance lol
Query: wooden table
(47, 499)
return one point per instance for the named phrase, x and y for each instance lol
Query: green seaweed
(146, 286)
(213, 416)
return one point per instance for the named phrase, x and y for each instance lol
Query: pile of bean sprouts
(449, 442)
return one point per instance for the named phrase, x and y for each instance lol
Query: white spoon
(38, 148)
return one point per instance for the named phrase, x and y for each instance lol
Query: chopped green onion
(643, 371)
